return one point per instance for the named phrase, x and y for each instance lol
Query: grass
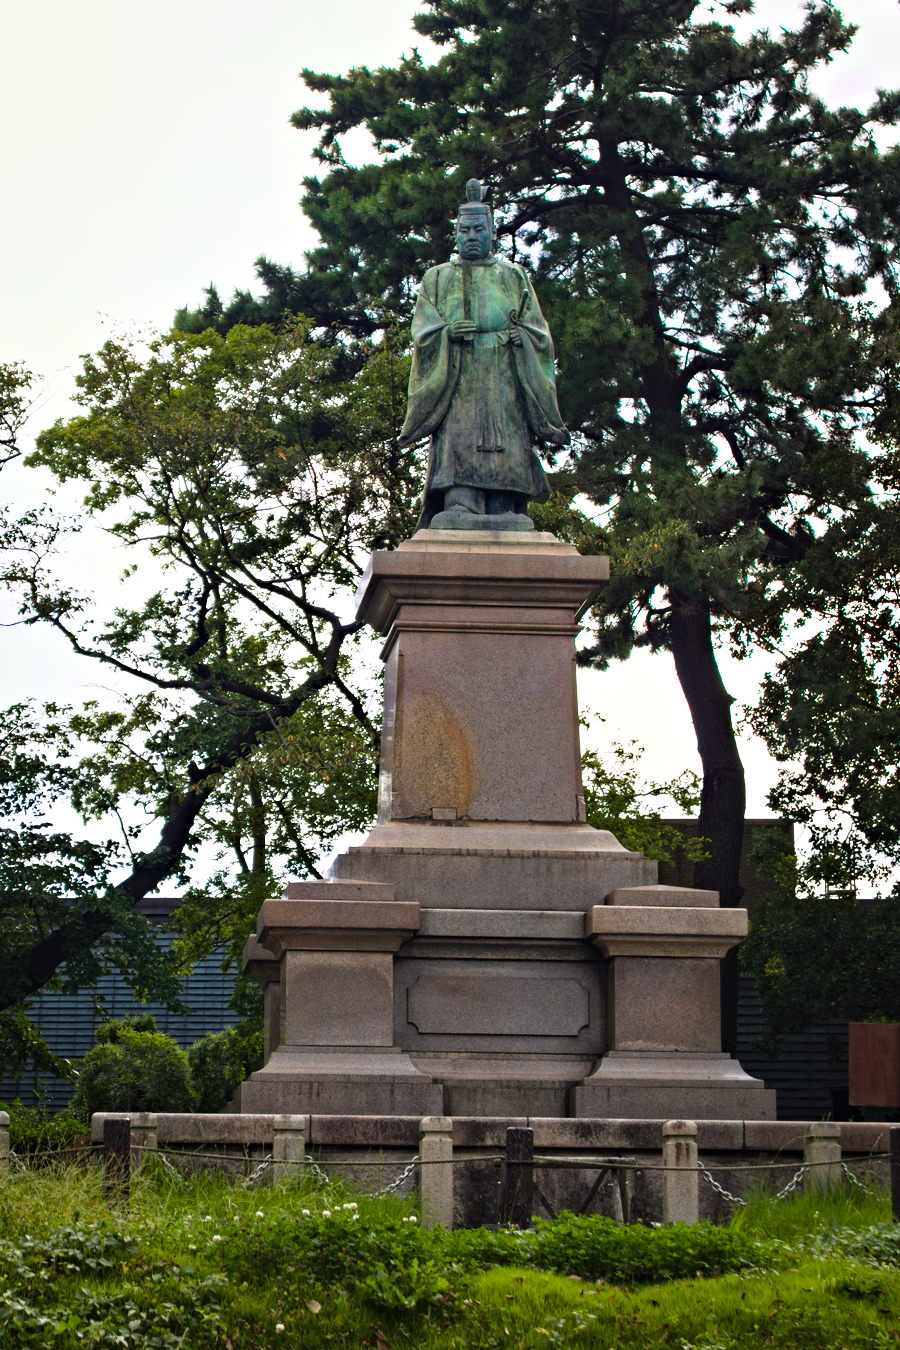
(811, 1212)
(207, 1262)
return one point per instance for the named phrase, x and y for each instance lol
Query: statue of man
(482, 383)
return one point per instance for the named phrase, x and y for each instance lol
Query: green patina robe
(483, 402)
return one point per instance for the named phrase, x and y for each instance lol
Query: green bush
(133, 1071)
(110, 1033)
(329, 1248)
(598, 1248)
(392, 1258)
(34, 1132)
(220, 1061)
(483, 1247)
(878, 1244)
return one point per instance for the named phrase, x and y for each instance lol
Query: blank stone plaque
(509, 1005)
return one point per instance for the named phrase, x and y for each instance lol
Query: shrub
(110, 1033)
(329, 1248)
(34, 1132)
(396, 1263)
(599, 1248)
(92, 1286)
(220, 1061)
(878, 1244)
(133, 1071)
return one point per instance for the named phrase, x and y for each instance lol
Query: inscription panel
(445, 1004)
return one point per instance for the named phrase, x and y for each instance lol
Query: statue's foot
(466, 520)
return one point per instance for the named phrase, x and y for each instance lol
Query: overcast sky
(147, 152)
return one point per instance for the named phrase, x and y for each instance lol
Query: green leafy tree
(831, 709)
(247, 479)
(619, 799)
(705, 234)
(56, 898)
(15, 382)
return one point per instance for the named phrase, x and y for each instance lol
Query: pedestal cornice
(484, 576)
(646, 930)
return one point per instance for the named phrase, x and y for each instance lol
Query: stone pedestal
(665, 1008)
(455, 962)
(336, 1053)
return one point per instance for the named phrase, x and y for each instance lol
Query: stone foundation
(484, 951)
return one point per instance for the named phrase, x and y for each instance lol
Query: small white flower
(326, 1213)
(207, 1218)
(217, 1237)
(352, 1205)
(411, 1218)
(259, 1214)
(279, 1326)
(305, 1213)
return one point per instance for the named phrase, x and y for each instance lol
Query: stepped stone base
(341, 1082)
(698, 1086)
(486, 952)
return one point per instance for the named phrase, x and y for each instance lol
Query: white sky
(147, 152)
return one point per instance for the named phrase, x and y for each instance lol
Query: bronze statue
(482, 383)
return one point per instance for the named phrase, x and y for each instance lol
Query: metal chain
(851, 1176)
(158, 1153)
(258, 1170)
(726, 1195)
(318, 1172)
(793, 1183)
(401, 1179)
(321, 1175)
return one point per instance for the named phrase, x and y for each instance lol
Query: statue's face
(473, 237)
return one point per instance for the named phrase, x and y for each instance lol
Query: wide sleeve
(435, 365)
(535, 367)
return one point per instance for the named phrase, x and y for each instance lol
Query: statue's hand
(559, 436)
(515, 336)
(461, 330)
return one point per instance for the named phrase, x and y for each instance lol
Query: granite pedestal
(484, 951)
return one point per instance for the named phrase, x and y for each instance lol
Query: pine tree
(705, 235)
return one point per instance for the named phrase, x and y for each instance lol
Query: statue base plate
(467, 520)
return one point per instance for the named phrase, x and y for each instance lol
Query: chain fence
(411, 1171)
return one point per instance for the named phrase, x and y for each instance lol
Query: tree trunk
(723, 799)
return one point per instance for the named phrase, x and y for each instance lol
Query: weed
(200, 1262)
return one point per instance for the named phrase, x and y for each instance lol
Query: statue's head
(475, 224)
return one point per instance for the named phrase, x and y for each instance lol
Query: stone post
(289, 1145)
(681, 1184)
(116, 1158)
(822, 1154)
(4, 1141)
(436, 1171)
